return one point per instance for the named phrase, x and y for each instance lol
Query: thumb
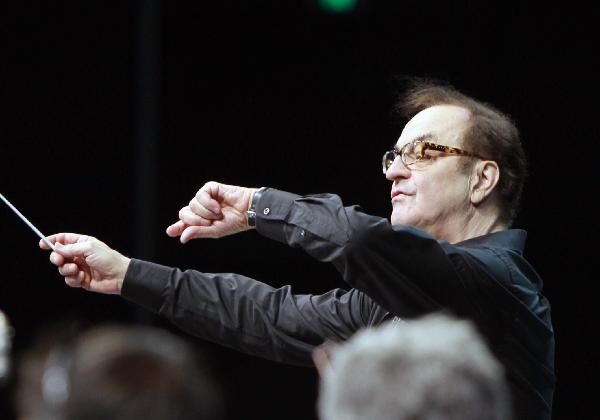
(176, 229)
(192, 232)
(82, 249)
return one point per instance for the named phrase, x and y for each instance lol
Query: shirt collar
(512, 239)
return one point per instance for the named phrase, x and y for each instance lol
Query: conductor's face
(430, 190)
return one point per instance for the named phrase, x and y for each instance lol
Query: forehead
(445, 124)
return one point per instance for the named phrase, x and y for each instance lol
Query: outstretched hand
(86, 262)
(217, 210)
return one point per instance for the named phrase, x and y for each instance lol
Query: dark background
(113, 120)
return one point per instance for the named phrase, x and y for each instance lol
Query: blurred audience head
(6, 333)
(116, 373)
(432, 368)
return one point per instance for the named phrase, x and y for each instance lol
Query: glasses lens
(419, 149)
(413, 152)
(388, 159)
(408, 153)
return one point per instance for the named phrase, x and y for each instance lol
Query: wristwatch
(252, 209)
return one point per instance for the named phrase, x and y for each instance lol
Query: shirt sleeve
(245, 314)
(402, 268)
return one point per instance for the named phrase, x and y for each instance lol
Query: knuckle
(70, 282)
(203, 194)
(210, 188)
(196, 208)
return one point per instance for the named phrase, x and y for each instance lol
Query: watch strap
(251, 213)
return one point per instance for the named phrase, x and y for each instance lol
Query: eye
(428, 155)
(421, 152)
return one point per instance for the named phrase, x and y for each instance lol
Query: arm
(402, 268)
(245, 314)
(228, 309)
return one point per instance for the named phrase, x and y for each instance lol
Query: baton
(27, 222)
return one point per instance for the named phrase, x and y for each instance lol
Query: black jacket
(394, 271)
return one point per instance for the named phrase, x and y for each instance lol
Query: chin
(398, 218)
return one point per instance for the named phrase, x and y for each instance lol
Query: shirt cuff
(272, 213)
(145, 284)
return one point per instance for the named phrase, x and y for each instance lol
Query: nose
(397, 170)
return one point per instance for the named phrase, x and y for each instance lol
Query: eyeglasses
(416, 153)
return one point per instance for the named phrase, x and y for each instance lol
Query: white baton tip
(27, 222)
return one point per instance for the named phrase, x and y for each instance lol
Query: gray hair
(433, 368)
(6, 333)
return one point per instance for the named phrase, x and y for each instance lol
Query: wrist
(122, 271)
(251, 213)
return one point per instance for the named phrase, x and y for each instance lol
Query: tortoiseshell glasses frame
(415, 153)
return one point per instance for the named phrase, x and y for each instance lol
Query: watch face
(251, 217)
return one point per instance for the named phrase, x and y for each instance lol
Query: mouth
(398, 192)
(397, 195)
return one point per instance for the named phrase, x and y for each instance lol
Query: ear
(485, 176)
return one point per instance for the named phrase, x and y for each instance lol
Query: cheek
(427, 191)
(434, 195)
(443, 195)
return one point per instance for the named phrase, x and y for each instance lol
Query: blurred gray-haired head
(432, 368)
(5, 346)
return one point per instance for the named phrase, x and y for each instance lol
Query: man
(457, 172)
(117, 373)
(427, 369)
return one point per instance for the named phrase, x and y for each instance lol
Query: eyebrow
(422, 137)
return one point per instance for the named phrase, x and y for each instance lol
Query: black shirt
(394, 271)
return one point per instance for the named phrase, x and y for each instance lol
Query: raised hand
(86, 262)
(217, 210)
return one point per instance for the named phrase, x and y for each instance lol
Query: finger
(84, 280)
(193, 232)
(176, 229)
(80, 249)
(65, 238)
(321, 360)
(190, 218)
(321, 356)
(43, 243)
(74, 281)
(206, 197)
(69, 269)
(57, 259)
(197, 208)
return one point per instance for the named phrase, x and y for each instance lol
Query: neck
(475, 223)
